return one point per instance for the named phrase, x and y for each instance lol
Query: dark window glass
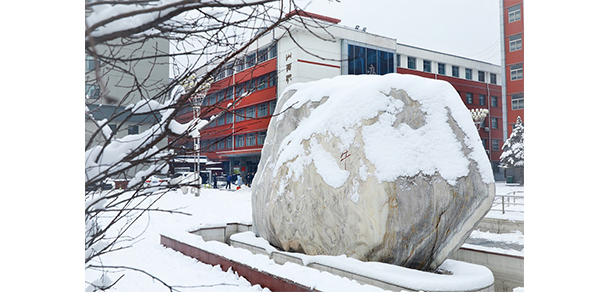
(273, 78)
(482, 76)
(481, 99)
(469, 98)
(261, 138)
(262, 109)
(250, 139)
(133, 130)
(251, 112)
(468, 74)
(455, 71)
(250, 60)
(412, 63)
(261, 82)
(441, 68)
(494, 101)
(427, 66)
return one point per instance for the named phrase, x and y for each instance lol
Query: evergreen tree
(512, 150)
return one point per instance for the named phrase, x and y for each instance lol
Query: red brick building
(513, 60)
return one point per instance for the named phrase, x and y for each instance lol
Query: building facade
(326, 49)
(109, 88)
(513, 60)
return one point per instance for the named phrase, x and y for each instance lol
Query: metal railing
(510, 199)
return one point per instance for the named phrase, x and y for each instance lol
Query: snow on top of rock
(393, 150)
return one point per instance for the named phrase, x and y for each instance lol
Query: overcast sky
(467, 28)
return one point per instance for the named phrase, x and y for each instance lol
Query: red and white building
(276, 61)
(512, 60)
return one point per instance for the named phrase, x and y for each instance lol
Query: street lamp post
(196, 102)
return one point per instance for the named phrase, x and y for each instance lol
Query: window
(273, 51)
(468, 74)
(272, 106)
(262, 110)
(250, 60)
(494, 101)
(495, 145)
(220, 120)
(427, 66)
(92, 91)
(229, 142)
(261, 138)
(221, 144)
(250, 139)
(229, 95)
(481, 99)
(90, 63)
(514, 13)
(220, 74)
(239, 65)
(482, 76)
(412, 63)
(261, 82)
(398, 60)
(485, 143)
(469, 98)
(515, 43)
(517, 101)
(441, 68)
(251, 112)
(363, 60)
(262, 55)
(250, 86)
(492, 78)
(229, 117)
(239, 91)
(239, 115)
(455, 71)
(494, 123)
(273, 78)
(516, 71)
(239, 141)
(133, 130)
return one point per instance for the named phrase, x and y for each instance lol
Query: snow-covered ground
(211, 208)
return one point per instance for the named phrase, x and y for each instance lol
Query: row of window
(455, 70)
(260, 83)
(363, 60)
(247, 61)
(482, 99)
(245, 140)
(256, 111)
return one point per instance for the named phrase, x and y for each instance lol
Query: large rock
(380, 168)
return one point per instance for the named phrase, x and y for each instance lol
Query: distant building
(512, 61)
(107, 96)
(275, 61)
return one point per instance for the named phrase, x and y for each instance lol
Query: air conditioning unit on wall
(486, 129)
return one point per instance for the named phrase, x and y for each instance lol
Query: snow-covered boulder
(380, 168)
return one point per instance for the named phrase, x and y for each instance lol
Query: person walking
(229, 178)
(215, 179)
